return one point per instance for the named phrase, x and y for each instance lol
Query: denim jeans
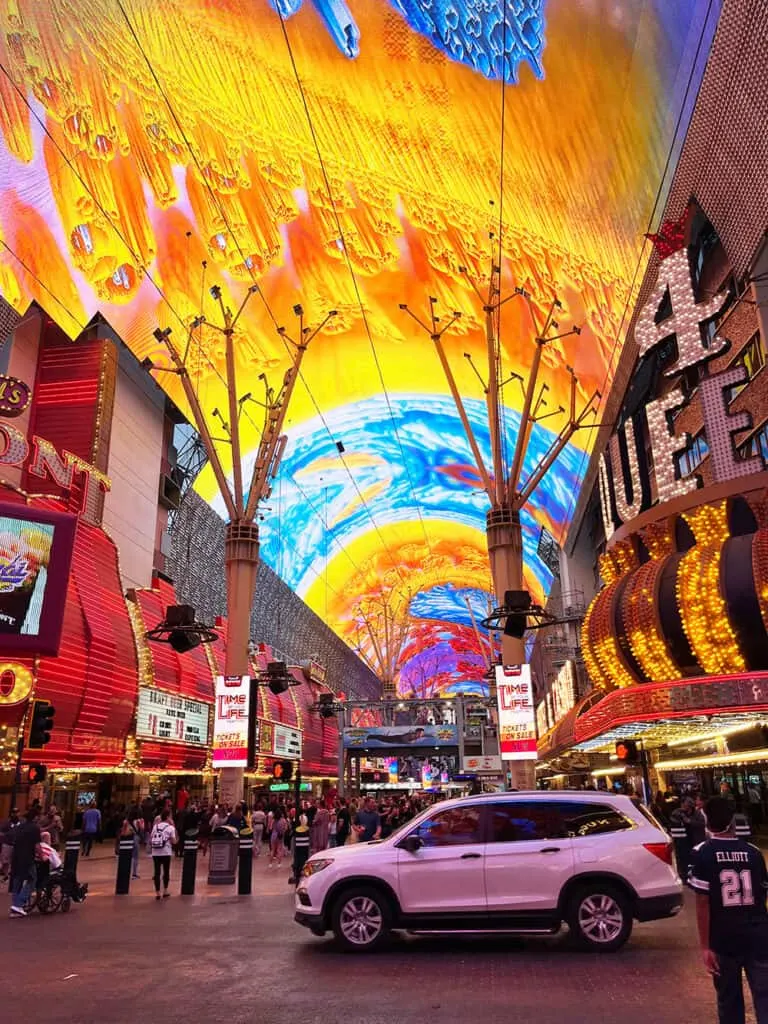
(730, 991)
(22, 886)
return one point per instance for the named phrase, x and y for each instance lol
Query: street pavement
(217, 957)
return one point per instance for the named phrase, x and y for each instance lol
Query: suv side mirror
(411, 843)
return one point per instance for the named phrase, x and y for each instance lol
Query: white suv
(522, 862)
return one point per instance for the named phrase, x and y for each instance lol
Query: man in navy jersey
(730, 880)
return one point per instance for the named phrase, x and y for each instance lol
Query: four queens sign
(517, 717)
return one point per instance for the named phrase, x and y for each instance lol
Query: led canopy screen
(350, 156)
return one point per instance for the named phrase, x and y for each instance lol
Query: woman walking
(258, 821)
(161, 844)
(277, 838)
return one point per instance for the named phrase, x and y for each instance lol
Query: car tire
(361, 919)
(599, 917)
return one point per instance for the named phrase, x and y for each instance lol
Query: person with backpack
(161, 843)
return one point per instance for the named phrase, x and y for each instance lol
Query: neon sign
(621, 483)
(45, 462)
(15, 395)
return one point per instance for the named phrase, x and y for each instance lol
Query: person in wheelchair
(50, 861)
(51, 873)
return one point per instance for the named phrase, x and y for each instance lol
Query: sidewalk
(100, 871)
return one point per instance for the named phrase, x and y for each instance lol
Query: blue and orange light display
(347, 155)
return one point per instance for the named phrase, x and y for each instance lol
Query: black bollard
(124, 858)
(189, 867)
(245, 865)
(72, 854)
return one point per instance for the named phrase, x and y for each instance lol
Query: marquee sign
(167, 716)
(680, 699)
(564, 690)
(279, 740)
(624, 473)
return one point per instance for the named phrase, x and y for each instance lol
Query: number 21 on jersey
(736, 888)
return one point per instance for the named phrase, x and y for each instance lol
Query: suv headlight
(313, 866)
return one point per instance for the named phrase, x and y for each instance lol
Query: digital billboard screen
(35, 558)
(231, 721)
(401, 736)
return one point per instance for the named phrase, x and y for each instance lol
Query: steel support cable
(219, 207)
(352, 274)
(649, 227)
(497, 346)
(200, 350)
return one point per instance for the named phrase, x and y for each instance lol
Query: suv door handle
(471, 856)
(550, 849)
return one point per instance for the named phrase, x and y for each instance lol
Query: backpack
(159, 836)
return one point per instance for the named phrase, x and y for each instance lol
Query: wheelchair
(56, 890)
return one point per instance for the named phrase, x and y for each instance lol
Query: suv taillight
(661, 850)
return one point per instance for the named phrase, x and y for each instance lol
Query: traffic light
(626, 752)
(282, 771)
(43, 713)
(36, 773)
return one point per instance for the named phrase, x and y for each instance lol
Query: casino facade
(88, 439)
(673, 521)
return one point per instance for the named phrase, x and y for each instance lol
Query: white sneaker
(18, 911)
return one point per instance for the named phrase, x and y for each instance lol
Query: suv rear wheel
(361, 919)
(599, 917)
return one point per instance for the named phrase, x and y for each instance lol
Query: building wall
(279, 617)
(722, 165)
(19, 359)
(130, 508)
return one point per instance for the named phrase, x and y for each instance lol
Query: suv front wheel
(361, 919)
(599, 917)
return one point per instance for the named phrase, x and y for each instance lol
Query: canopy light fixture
(181, 630)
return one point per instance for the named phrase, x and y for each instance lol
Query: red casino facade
(89, 441)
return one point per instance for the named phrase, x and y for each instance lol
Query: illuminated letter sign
(675, 278)
(684, 322)
(15, 683)
(14, 395)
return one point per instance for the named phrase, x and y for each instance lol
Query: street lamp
(507, 494)
(241, 545)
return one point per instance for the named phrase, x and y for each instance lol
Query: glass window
(515, 822)
(451, 827)
(539, 820)
(582, 819)
(753, 358)
(693, 455)
(757, 444)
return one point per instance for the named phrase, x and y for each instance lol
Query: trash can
(222, 855)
